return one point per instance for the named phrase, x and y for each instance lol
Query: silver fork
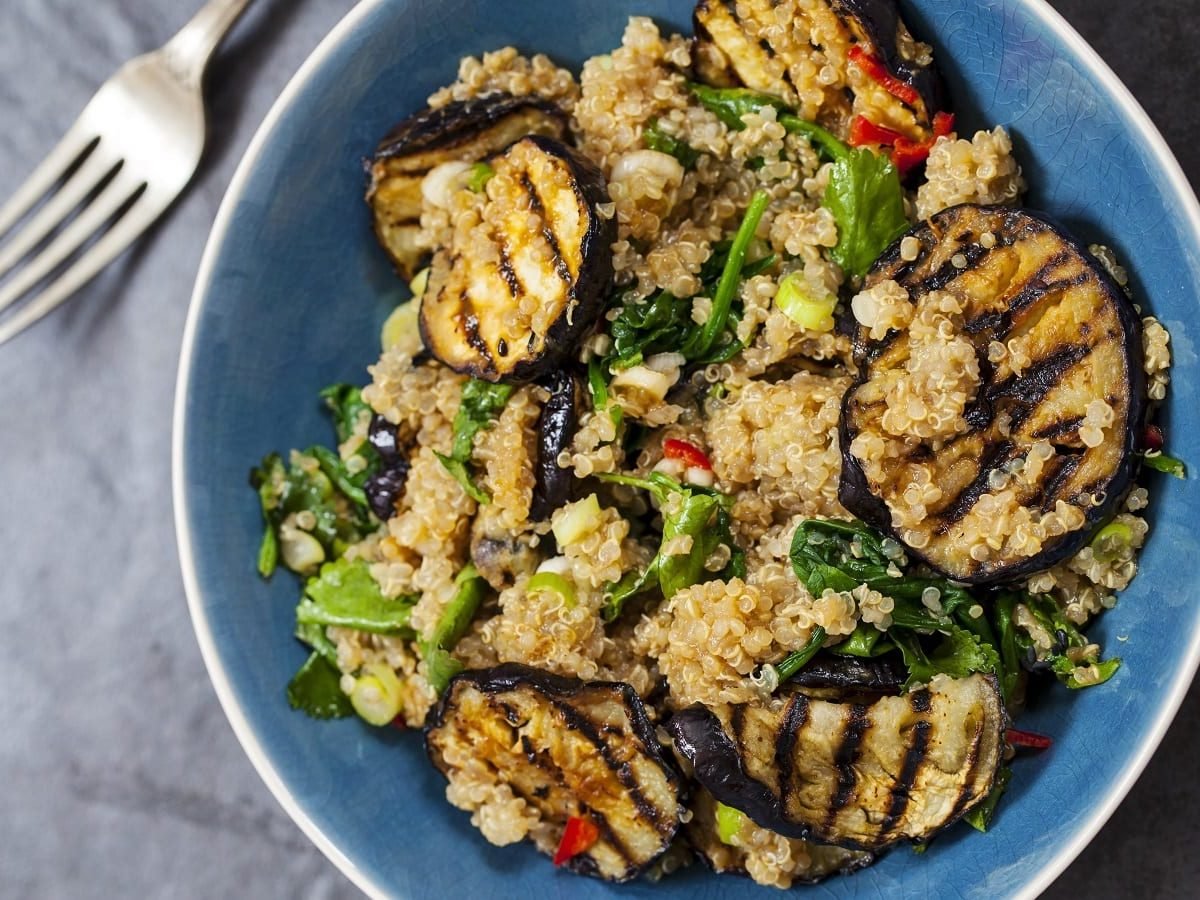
(130, 153)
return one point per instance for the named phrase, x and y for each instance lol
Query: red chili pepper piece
(578, 837)
(864, 131)
(874, 69)
(1152, 438)
(688, 454)
(1030, 739)
(943, 124)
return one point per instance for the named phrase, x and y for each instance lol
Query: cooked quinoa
(759, 426)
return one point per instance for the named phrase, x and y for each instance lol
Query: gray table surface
(121, 776)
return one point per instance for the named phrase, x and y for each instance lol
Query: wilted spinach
(481, 403)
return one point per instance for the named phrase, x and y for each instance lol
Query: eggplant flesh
(466, 130)
(811, 862)
(499, 555)
(1044, 447)
(861, 776)
(556, 428)
(743, 43)
(568, 748)
(523, 279)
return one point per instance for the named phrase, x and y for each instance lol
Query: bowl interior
(291, 297)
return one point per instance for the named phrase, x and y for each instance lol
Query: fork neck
(189, 51)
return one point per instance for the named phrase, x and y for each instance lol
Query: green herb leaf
(345, 594)
(316, 690)
(980, 818)
(481, 403)
(659, 140)
(451, 626)
(268, 552)
(1051, 617)
(1160, 462)
(867, 202)
(695, 518)
(631, 584)
(798, 659)
(958, 655)
(730, 105)
(347, 406)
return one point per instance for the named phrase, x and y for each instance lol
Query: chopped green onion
(1162, 463)
(577, 521)
(807, 311)
(729, 823)
(553, 582)
(376, 694)
(481, 173)
(419, 282)
(401, 329)
(1111, 540)
(268, 552)
(301, 552)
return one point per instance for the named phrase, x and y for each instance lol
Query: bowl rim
(1115, 792)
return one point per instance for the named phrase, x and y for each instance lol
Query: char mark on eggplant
(570, 749)
(514, 291)
(462, 131)
(1044, 448)
(857, 775)
(743, 44)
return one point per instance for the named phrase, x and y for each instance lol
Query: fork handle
(193, 46)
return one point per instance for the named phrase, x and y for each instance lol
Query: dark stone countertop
(122, 777)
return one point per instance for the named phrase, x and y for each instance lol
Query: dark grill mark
(949, 272)
(966, 792)
(502, 347)
(1053, 483)
(857, 725)
(471, 331)
(1032, 387)
(793, 720)
(508, 274)
(913, 759)
(920, 701)
(624, 772)
(994, 456)
(535, 203)
(1059, 428)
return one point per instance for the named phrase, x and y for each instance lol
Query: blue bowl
(291, 295)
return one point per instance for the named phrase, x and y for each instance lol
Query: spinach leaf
(980, 818)
(657, 139)
(345, 595)
(440, 666)
(1067, 636)
(867, 202)
(798, 659)
(347, 406)
(864, 641)
(481, 403)
(703, 515)
(661, 322)
(316, 690)
(958, 654)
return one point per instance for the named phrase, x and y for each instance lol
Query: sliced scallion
(795, 301)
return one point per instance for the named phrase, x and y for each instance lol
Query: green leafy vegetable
(798, 659)
(268, 552)
(345, 595)
(1050, 616)
(980, 818)
(348, 408)
(958, 654)
(316, 690)
(1160, 462)
(657, 139)
(702, 515)
(598, 386)
(453, 624)
(481, 403)
(864, 641)
(864, 192)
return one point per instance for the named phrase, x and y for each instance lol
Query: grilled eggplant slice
(861, 776)
(1036, 449)
(466, 130)
(556, 429)
(568, 748)
(517, 287)
(883, 675)
(779, 46)
(810, 862)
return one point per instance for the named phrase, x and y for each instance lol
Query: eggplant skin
(741, 43)
(515, 290)
(467, 130)
(1036, 285)
(816, 863)
(883, 675)
(568, 748)
(861, 776)
(555, 429)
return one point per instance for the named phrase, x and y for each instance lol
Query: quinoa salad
(745, 458)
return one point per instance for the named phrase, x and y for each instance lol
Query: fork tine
(90, 174)
(136, 219)
(44, 177)
(70, 239)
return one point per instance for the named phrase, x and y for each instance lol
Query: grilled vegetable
(882, 74)
(555, 428)
(465, 130)
(510, 296)
(861, 776)
(992, 431)
(498, 554)
(723, 849)
(849, 673)
(570, 749)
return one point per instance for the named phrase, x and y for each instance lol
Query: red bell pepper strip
(689, 454)
(874, 69)
(578, 837)
(906, 153)
(1030, 739)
